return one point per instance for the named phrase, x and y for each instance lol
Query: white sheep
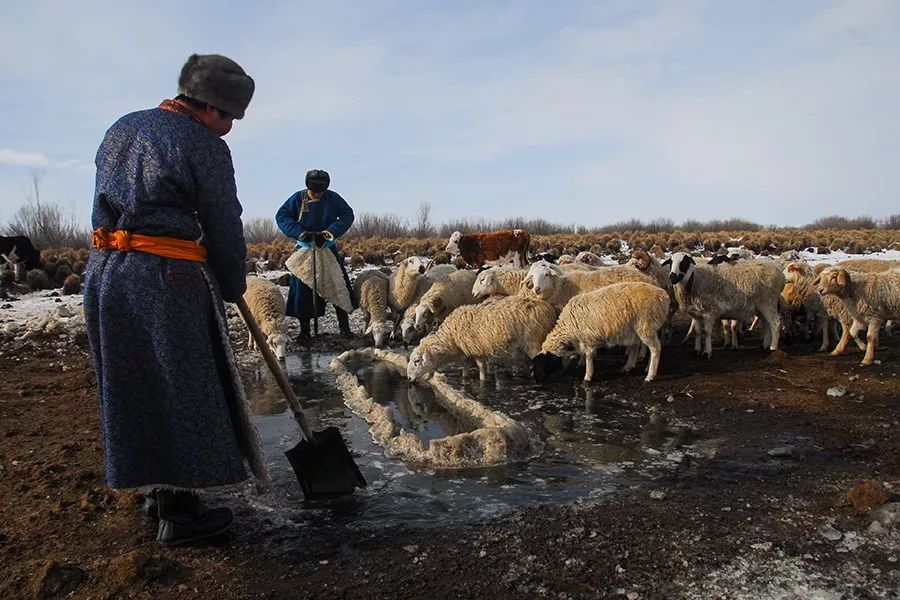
(558, 286)
(266, 303)
(498, 281)
(589, 258)
(800, 293)
(871, 298)
(407, 326)
(402, 283)
(512, 327)
(371, 291)
(622, 314)
(444, 297)
(737, 291)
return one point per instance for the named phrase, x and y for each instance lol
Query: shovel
(321, 461)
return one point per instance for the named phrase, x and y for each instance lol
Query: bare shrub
(37, 279)
(47, 224)
(838, 222)
(63, 271)
(72, 285)
(260, 230)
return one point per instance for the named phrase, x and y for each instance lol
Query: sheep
(513, 327)
(371, 292)
(498, 281)
(868, 265)
(738, 291)
(834, 306)
(444, 297)
(402, 283)
(267, 306)
(800, 293)
(622, 314)
(407, 326)
(649, 265)
(871, 298)
(558, 287)
(577, 266)
(589, 258)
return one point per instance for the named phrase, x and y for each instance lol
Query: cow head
(681, 267)
(453, 245)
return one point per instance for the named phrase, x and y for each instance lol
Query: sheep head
(542, 277)
(278, 342)
(834, 281)
(420, 365)
(381, 331)
(484, 284)
(423, 317)
(545, 365)
(641, 260)
(681, 267)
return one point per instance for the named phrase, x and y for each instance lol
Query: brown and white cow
(508, 246)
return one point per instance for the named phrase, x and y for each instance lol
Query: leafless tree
(423, 221)
(46, 225)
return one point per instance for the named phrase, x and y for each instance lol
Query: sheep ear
(668, 261)
(843, 278)
(817, 280)
(369, 328)
(528, 283)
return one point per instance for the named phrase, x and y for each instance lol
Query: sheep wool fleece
(173, 411)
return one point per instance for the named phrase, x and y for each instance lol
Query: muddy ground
(768, 516)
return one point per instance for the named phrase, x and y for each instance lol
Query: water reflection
(415, 408)
(594, 442)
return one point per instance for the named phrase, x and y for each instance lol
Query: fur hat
(217, 81)
(317, 180)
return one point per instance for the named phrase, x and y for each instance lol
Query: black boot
(150, 508)
(343, 322)
(182, 518)
(304, 338)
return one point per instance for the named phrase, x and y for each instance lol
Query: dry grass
(376, 250)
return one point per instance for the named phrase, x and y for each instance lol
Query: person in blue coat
(173, 413)
(315, 215)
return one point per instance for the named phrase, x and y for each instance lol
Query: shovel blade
(324, 467)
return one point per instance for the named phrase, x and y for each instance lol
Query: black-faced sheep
(622, 314)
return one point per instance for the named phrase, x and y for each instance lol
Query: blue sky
(576, 112)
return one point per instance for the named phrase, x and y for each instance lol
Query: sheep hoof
(706, 355)
(865, 364)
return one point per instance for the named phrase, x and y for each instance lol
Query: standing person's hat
(317, 180)
(217, 81)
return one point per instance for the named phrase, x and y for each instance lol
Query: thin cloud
(23, 159)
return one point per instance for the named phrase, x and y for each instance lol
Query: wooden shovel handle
(275, 368)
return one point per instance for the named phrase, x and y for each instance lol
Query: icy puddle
(584, 444)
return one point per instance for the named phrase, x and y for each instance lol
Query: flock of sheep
(553, 313)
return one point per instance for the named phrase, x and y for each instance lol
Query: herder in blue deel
(168, 250)
(315, 215)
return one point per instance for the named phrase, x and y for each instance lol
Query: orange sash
(168, 247)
